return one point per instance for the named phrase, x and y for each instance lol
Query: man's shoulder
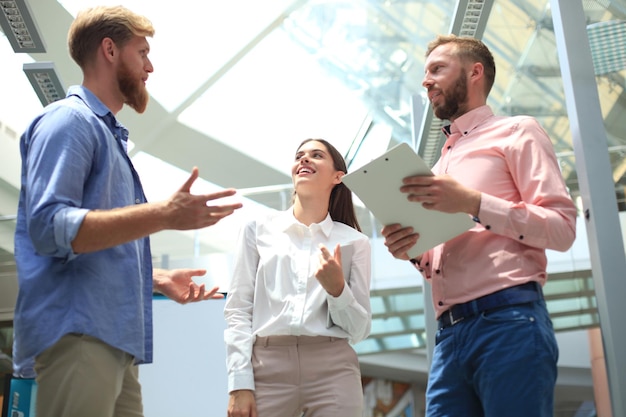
(70, 107)
(517, 120)
(58, 115)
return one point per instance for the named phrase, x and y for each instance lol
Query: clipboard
(378, 183)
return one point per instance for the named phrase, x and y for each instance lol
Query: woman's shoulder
(350, 231)
(266, 219)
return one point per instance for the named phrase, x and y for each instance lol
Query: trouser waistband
(519, 294)
(294, 340)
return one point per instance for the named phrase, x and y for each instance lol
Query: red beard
(133, 89)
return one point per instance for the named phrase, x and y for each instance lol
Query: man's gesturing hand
(188, 211)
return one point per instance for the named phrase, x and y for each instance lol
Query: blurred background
(238, 85)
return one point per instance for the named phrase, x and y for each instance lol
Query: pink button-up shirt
(525, 208)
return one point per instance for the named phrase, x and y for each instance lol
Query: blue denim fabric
(74, 159)
(501, 363)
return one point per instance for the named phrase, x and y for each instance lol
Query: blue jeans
(501, 363)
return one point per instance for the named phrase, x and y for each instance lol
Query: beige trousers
(80, 376)
(311, 376)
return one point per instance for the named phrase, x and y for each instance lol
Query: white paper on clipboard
(378, 183)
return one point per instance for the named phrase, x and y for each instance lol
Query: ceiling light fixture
(607, 41)
(45, 81)
(19, 27)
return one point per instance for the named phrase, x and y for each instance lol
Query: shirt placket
(303, 266)
(437, 259)
(451, 140)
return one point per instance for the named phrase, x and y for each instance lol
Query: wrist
(475, 206)
(158, 279)
(338, 291)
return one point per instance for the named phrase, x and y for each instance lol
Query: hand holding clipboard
(378, 183)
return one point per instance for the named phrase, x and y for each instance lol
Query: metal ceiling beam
(540, 71)
(616, 7)
(535, 111)
(173, 116)
(619, 171)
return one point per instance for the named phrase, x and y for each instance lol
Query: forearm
(352, 309)
(552, 226)
(108, 228)
(353, 318)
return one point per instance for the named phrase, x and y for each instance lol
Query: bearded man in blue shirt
(83, 319)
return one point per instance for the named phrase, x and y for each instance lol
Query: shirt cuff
(342, 301)
(493, 212)
(66, 222)
(240, 381)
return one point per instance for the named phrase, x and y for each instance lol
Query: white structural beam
(596, 186)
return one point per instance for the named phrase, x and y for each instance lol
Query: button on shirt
(525, 208)
(274, 290)
(74, 160)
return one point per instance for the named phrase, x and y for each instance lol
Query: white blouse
(274, 290)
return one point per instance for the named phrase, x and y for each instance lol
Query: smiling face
(445, 78)
(313, 170)
(133, 71)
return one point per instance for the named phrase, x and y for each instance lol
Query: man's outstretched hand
(178, 285)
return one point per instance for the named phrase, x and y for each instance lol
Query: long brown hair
(340, 206)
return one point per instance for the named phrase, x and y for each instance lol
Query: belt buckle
(453, 321)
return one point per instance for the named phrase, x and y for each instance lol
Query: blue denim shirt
(74, 159)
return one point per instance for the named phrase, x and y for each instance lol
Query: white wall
(188, 376)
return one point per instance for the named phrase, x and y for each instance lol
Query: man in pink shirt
(495, 353)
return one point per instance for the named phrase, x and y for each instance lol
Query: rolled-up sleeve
(57, 161)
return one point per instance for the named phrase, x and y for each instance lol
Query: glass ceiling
(238, 77)
(237, 85)
(277, 72)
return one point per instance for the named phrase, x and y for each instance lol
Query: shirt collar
(90, 99)
(96, 106)
(286, 220)
(469, 121)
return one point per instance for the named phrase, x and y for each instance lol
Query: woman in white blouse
(299, 295)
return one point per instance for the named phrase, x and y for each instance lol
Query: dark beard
(135, 93)
(453, 100)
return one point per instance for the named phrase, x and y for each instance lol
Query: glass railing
(571, 300)
(397, 321)
(398, 314)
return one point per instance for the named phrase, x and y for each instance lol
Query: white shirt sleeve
(351, 310)
(238, 336)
